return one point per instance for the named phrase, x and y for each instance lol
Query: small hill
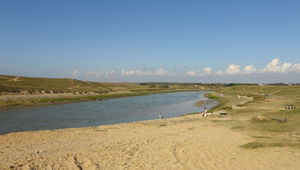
(35, 85)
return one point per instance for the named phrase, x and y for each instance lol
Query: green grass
(253, 145)
(238, 127)
(216, 121)
(211, 96)
(268, 132)
(214, 97)
(291, 125)
(261, 137)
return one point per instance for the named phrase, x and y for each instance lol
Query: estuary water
(97, 113)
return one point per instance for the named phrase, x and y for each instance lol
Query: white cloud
(285, 68)
(249, 69)
(136, 72)
(207, 70)
(75, 73)
(161, 72)
(273, 66)
(106, 73)
(233, 69)
(191, 73)
(112, 72)
(101, 73)
(139, 72)
(123, 72)
(296, 68)
(219, 73)
(199, 72)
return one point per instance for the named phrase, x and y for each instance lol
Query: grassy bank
(214, 96)
(265, 118)
(103, 97)
(17, 91)
(61, 100)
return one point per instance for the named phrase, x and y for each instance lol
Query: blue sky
(143, 40)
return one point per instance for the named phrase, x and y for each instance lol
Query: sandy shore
(187, 142)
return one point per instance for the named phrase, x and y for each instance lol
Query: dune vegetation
(266, 117)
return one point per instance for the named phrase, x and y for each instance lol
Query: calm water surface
(100, 112)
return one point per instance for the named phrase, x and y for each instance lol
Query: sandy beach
(186, 142)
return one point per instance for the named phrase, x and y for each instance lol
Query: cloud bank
(273, 71)
(274, 66)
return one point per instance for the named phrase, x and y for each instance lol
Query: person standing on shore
(204, 114)
(160, 116)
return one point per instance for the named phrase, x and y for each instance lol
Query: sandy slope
(188, 142)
